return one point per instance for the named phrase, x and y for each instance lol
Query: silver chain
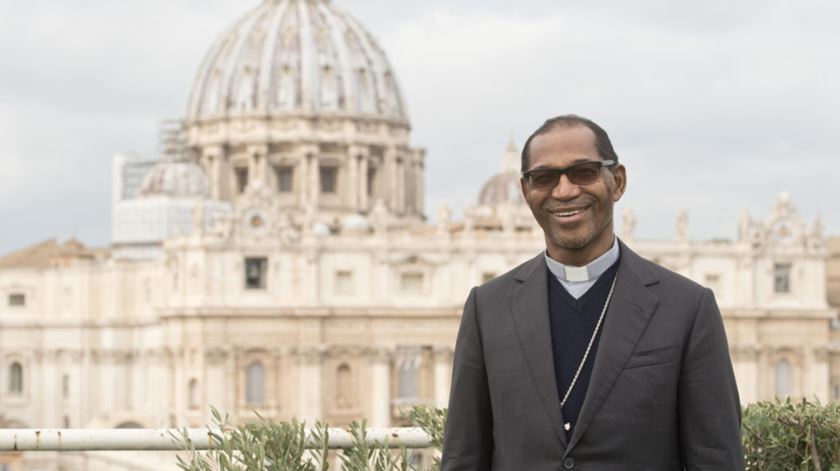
(589, 347)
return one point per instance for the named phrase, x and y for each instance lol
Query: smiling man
(588, 356)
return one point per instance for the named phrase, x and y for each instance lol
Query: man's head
(573, 207)
(602, 140)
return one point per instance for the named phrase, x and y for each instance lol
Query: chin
(572, 243)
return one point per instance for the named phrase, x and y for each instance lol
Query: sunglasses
(581, 173)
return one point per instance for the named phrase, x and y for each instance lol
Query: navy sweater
(572, 322)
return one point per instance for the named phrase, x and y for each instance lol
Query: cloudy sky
(714, 106)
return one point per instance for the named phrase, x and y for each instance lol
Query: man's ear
(620, 180)
(524, 186)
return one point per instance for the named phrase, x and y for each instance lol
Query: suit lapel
(529, 305)
(630, 309)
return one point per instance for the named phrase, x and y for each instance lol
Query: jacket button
(568, 463)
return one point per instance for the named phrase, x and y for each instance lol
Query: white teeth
(569, 213)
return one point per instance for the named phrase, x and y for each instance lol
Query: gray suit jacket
(662, 395)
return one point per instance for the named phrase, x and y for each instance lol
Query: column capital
(310, 355)
(379, 354)
(744, 352)
(216, 355)
(356, 150)
(443, 353)
(308, 149)
(213, 151)
(258, 149)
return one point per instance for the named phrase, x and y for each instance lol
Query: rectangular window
(241, 179)
(255, 272)
(285, 179)
(411, 282)
(344, 282)
(781, 278)
(17, 299)
(329, 180)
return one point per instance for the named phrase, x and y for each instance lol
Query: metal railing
(168, 439)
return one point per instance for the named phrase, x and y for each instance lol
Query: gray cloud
(714, 106)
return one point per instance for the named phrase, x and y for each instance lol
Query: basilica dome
(174, 179)
(292, 58)
(504, 186)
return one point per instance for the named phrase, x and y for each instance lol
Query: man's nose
(565, 189)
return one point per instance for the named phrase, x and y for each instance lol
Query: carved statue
(444, 215)
(199, 218)
(682, 225)
(628, 224)
(379, 217)
(744, 224)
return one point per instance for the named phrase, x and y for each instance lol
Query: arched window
(65, 386)
(16, 378)
(255, 383)
(193, 391)
(344, 386)
(783, 379)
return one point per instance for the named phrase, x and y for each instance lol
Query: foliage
(432, 421)
(787, 435)
(266, 445)
(263, 445)
(777, 436)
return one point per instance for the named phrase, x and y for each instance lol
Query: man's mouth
(568, 213)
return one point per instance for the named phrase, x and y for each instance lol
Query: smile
(568, 213)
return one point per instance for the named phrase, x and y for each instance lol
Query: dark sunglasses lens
(544, 178)
(584, 174)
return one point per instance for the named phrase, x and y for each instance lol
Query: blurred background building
(276, 257)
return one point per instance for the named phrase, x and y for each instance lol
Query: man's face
(577, 219)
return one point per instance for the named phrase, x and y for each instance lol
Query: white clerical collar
(588, 273)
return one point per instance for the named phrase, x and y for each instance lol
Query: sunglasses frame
(558, 172)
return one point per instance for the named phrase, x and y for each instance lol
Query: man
(588, 356)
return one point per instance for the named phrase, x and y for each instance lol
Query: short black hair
(602, 139)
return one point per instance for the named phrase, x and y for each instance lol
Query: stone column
(302, 177)
(258, 163)
(180, 386)
(214, 382)
(314, 177)
(212, 157)
(85, 381)
(766, 387)
(381, 389)
(46, 393)
(818, 374)
(351, 189)
(364, 204)
(232, 380)
(419, 185)
(106, 383)
(153, 385)
(745, 364)
(390, 175)
(309, 384)
(443, 375)
(401, 174)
